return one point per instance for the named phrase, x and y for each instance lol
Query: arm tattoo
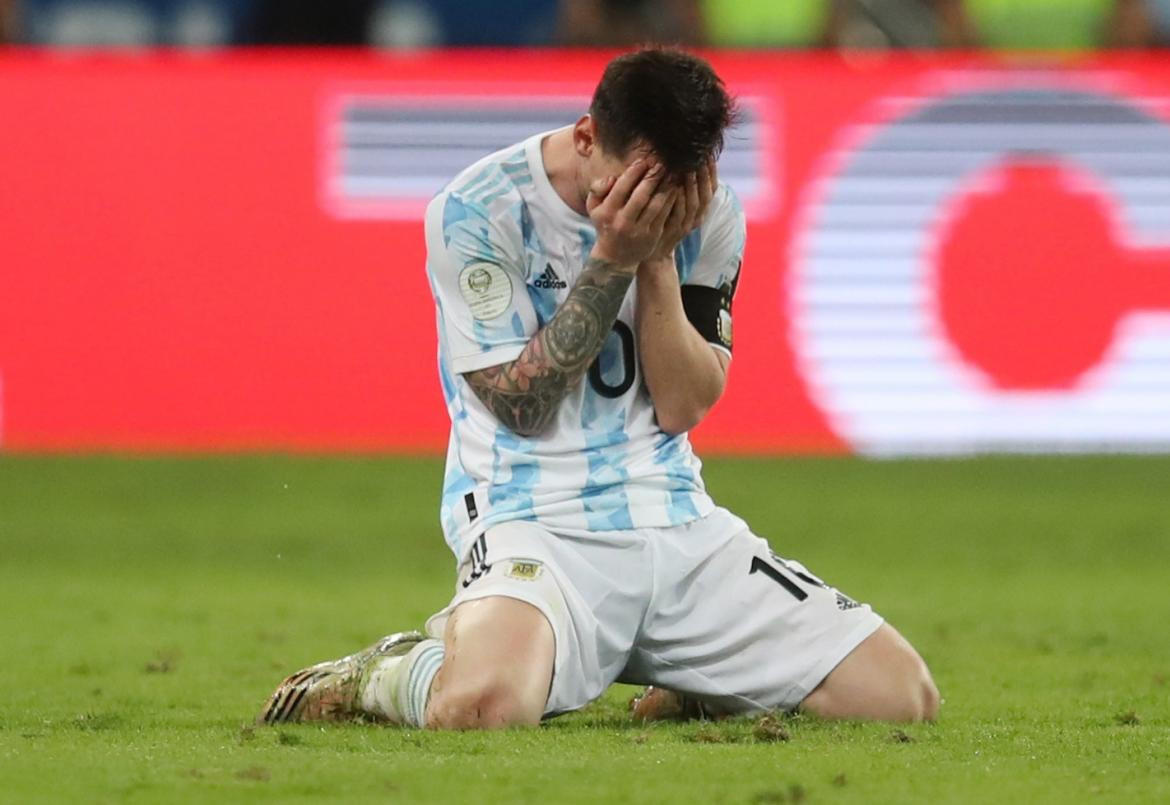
(526, 393)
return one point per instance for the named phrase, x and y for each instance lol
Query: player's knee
(885, 679)
(487, 704)
(928, 699)
(920, 698)
(913, 695)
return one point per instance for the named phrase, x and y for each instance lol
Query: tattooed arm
(526, 393)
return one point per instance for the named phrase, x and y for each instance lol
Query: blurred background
(405, 24)
(211, 243)
(959, 214)
(212, 257)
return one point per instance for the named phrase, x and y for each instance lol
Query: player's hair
(670, 100)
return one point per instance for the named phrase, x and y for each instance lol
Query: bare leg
(882, 679)
(497, 667)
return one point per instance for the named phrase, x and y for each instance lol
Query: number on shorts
(626, 337)
(788, 584)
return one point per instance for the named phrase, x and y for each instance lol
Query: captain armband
(709, 311)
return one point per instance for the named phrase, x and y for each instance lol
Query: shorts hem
(797, 693)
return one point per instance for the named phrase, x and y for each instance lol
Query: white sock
(398, 687)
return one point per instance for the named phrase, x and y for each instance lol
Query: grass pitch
(148, 606)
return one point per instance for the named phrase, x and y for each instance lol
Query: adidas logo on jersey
(548, 279)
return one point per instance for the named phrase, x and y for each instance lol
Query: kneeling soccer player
(583, 281)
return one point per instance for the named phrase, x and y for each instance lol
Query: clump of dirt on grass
(769, 730)
(1128, 718)
(258, 773)
(163, 663)
(901, 737)
(708, 735)
(97, 722)
(793, 794)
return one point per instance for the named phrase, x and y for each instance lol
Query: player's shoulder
(725, 207)
(712, 253)
(724, 226)
(486, 197)
(491, 184)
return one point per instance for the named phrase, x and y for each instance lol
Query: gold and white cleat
(331, 691)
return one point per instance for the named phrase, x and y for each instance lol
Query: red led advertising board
(225, 251)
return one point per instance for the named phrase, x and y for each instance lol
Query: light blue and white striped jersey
(503, 251)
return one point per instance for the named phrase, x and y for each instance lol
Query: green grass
(148, 606)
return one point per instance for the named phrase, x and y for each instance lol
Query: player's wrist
(607, 259)
(658, 269)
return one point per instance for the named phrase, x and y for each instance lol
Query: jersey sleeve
(709, 288)
(475, 264)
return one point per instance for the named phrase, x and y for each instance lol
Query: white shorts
(705, 609)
